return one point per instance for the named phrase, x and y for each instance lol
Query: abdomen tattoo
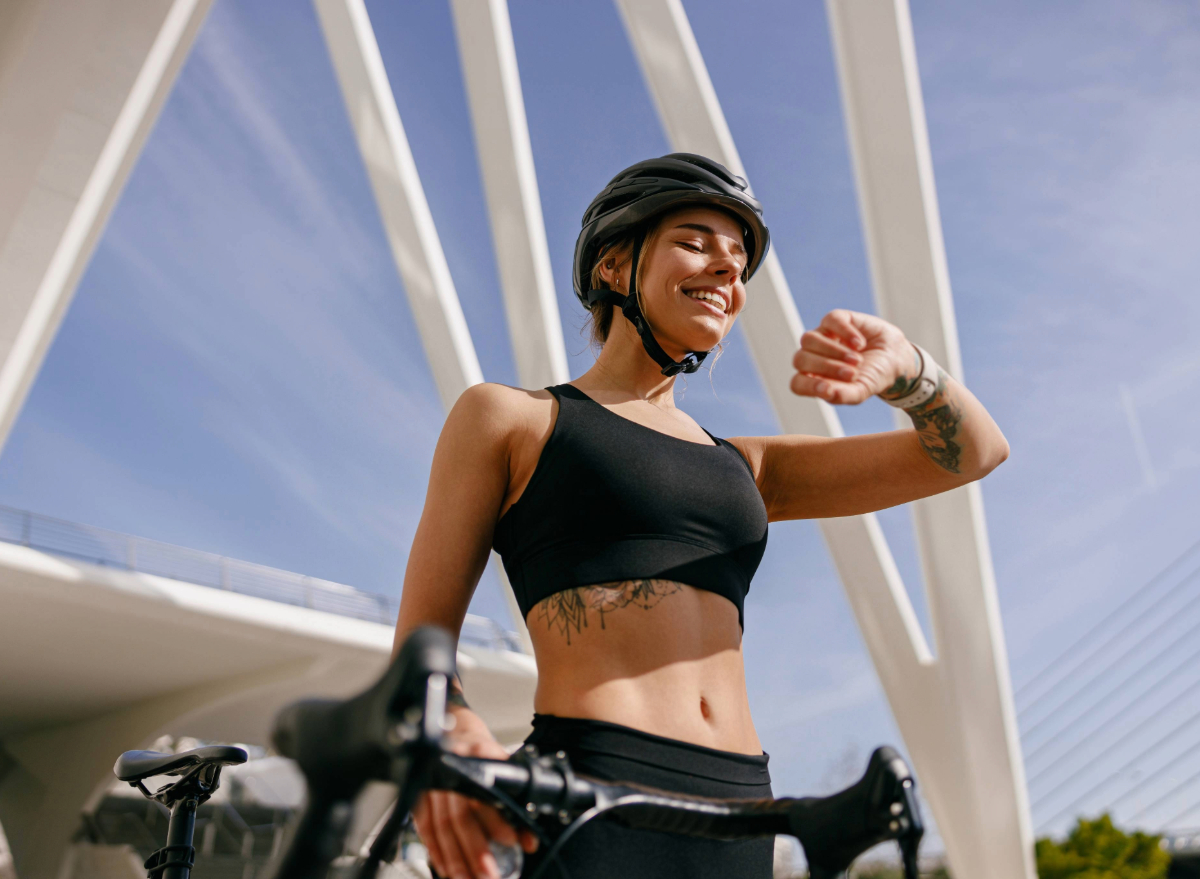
(572, 609)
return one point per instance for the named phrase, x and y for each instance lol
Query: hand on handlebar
(456, 829)
(396, 731)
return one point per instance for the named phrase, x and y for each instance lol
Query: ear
(610, 271)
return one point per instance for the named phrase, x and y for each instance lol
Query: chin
(703, 341)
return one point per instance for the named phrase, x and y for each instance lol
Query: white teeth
(716, 298)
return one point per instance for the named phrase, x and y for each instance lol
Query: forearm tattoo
(937, 422)
(571, 609)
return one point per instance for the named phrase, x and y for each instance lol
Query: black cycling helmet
(635, 197)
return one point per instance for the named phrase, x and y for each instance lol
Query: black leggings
(603, 850)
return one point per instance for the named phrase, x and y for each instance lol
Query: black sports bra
(612, 500)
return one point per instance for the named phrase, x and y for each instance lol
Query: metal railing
(99, 546)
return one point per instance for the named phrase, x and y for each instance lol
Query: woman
(630, 533)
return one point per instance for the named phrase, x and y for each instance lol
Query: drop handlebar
(394, 730)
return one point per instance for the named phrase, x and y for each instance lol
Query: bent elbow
(994, 457)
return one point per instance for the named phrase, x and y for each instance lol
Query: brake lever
(882, 805)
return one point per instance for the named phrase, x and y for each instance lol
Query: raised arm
(848, 358)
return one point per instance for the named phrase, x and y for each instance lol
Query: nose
(725, 264)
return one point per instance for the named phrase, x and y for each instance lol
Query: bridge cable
(1183, 784)
(1187, 635)
(1077, 748)
(1079, 642)
(1082, 798)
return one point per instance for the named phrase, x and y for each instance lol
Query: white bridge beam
(81, 85)
(489, 64)
(407, 220)
(400, 196)
(955, 712)
(889, 142)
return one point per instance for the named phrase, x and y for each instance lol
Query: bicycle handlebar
(393, 732)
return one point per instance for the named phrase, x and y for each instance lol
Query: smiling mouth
(709, 297)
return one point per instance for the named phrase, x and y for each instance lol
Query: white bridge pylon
(84, 128)
(955, 711)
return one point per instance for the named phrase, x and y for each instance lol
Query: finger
(836, 392)
(828, 346)
(454, 859)
(471, 839)
(850, 393)
(495, 827)
(818, 364)
(423, 822)
(810, 386)
(529, 841)
(449, 859)
(840, 323)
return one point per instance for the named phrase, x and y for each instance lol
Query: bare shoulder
(496, 414)
(502, 430)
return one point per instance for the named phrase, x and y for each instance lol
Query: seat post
(180, 832)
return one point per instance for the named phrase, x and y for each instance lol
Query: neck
(624, 367)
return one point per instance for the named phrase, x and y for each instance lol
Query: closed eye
(690, 245)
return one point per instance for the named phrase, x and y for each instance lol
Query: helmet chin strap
(633, 313)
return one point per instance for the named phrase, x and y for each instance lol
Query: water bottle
(509, 859)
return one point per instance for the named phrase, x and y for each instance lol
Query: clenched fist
(851, 356)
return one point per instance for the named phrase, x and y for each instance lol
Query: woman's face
(692, 288)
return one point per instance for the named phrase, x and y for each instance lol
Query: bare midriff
(671, 666)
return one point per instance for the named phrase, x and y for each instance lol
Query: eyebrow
(707, 230)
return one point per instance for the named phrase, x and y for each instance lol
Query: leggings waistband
(579, 734)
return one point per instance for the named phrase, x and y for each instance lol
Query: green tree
(1098, 850)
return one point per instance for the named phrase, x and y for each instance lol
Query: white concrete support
(57, 771)
(885, 119)
(489, 64)
(81, 85)
(406, 216)
(955, 712)
(400, 196)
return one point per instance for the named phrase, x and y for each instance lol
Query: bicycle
(394, 730)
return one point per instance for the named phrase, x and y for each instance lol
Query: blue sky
(239, 370)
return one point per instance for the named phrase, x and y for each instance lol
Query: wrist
(466, 721)
(469, 733)
(911, 391)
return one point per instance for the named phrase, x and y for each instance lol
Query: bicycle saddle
(136, 765)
